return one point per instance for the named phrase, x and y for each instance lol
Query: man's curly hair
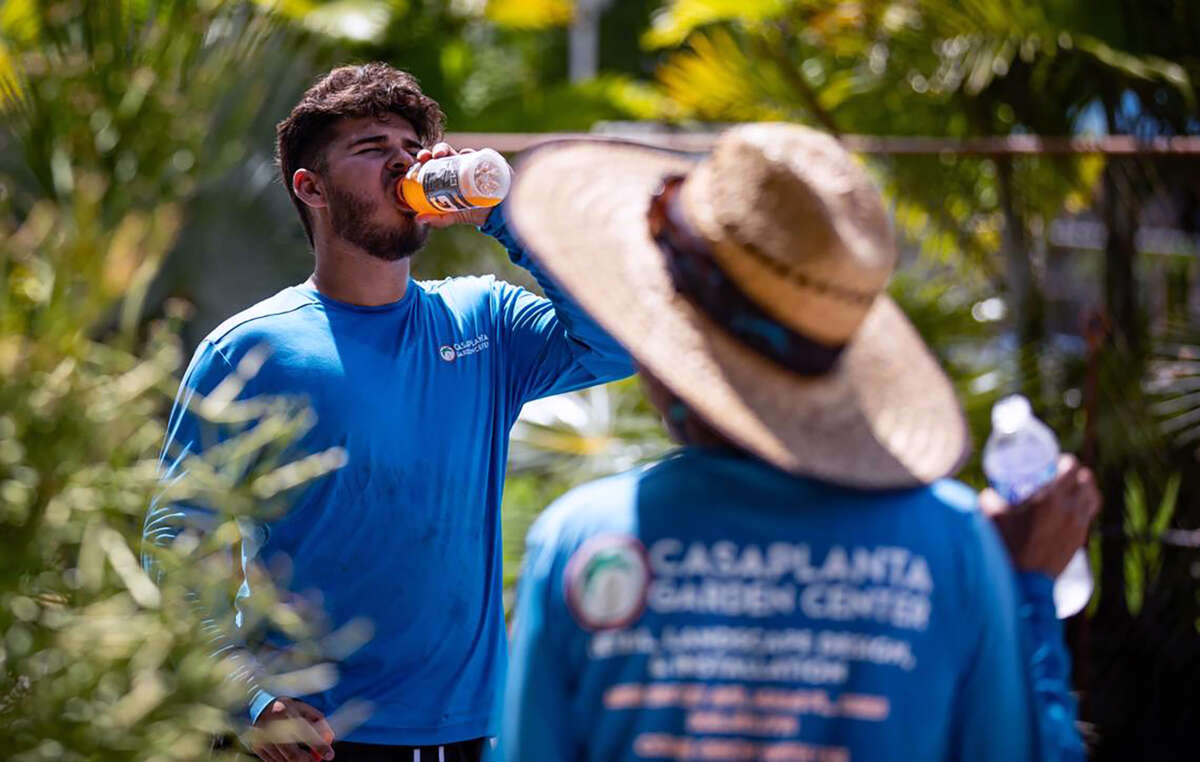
(348, 92)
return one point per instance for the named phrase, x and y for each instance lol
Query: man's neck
(348, 274)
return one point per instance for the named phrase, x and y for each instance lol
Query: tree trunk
(1025, 296)
(1121, 209)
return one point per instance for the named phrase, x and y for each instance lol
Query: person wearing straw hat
(801, 581)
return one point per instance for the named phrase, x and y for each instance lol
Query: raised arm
(553, 346)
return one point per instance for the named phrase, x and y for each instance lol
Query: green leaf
(641, 100)
(1135, 582)
(1166, 506)
(295, 10)
(1152, 553)
(1139, 67)
(455, 60)
(1095, 559)
(672, 25)
(715, 79)
(1135, 525)
(19, 21)
(839, 87)
(1136, 512)
(10, 85)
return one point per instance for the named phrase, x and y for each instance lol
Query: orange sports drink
(471, 180)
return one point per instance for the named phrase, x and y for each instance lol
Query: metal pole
(1012, 145)
(584, 40)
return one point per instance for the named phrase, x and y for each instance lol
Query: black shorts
(462, 751)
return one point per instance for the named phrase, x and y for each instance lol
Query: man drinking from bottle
(419, 383)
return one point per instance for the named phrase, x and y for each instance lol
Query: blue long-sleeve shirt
(713, 607)
(421, 394)
(1049, 665)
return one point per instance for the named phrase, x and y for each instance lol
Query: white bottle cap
(1010, 413)
(486, 175)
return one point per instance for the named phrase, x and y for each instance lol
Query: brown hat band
(698, 277)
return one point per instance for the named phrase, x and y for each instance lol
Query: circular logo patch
(448, 354)
(606, 582)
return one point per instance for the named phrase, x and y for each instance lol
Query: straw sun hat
(751, 283)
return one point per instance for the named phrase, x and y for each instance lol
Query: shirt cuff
(1035, 586)
(496, 226)
(261, 701)
(1037, 596)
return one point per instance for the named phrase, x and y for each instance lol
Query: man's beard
(350, 217)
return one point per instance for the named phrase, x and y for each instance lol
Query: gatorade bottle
(471, 180)
(1020, 456)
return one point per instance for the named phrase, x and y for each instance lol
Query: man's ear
(306, 184)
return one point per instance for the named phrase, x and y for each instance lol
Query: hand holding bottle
(447, 187)
(1044, 532)
(1041, 502)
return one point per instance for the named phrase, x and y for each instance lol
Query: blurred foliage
(958, 70)
(97, 661)
(928, 68)
(1143, 527)
(136, 173)
(1173, 383)
(137, 92)
(964, 316)
(562, 441)
(529, 14)
(113, 113)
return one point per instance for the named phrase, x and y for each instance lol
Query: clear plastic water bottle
(1020, 456)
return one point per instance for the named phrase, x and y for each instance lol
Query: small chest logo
(464, 348)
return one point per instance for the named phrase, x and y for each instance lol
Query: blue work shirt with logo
(421, 394)
(714, 607)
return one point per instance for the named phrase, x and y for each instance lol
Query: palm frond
(1173, 384)
(1140, 67)
(585, 434)
(715, 78)
(672, 25)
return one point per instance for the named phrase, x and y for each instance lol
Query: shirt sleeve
(552, 345)
(994, 712)
(1049, 667)
(538, 696)
(187, 437)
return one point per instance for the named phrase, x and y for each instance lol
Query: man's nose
(399, 161)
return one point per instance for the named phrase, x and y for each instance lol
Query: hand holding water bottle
(1045, 531)
(1042, 502)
